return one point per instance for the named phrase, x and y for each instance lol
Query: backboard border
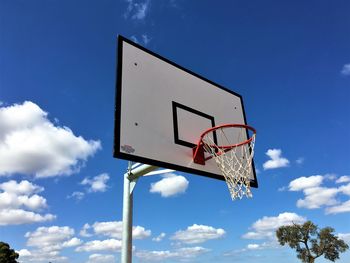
(117, 115)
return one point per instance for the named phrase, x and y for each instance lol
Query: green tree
(310, 242)
(7, 255)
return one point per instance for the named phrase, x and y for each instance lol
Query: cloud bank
(21, 204)
(265, 227)
(317, 195)
(196, 234)
(31, 144)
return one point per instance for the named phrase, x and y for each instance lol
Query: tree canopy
(7, 255)
(310, 242)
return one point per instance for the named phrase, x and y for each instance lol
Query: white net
(235, 163)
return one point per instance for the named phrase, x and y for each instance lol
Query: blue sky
(60, 188)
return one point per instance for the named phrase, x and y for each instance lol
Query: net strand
(235, 163)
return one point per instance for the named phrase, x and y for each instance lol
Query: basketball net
(235, 161)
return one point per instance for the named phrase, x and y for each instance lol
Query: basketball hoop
(232, 158)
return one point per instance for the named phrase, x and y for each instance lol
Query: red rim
(196, 150)
(229, 126)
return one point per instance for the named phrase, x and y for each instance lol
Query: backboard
(162, 109)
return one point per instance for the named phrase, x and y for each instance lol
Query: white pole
(130, 179)
(126, 252)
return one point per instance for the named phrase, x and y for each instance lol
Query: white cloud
(191, 252)
(19, 203)
(282, 189)
(155, 255)
(146, 39)
(276, 160)
(48, 243)
(198, 234)
(342, 208)
(84, 231)
(140, 10)
(139, 232)
(36, 256)
(159, 238)
(345, 237)
(49, 237)
(136, 10)
(24, 187)
(343, 179)
(34, 202)
(273, 222)
(76, 195)
(101, 258)
(170, 185)
(111, 228)
(330, 176)
(72, 242)
(315, 197)
(97, 184)
(24, 253)
(272, 244)
(253, 246)
(15, 195)
(114, 229)
(20, 216)
(302, 183)
(346, 70)
(345, 189)
(300, 160)
(265, 229)
(100, 245)
(181, 254)
(266, 226)
(258, 235)
(134, 38)
(31, 144)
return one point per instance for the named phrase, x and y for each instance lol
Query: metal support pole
(126, 253)
(130, 179)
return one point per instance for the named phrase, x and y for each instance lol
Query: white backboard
(162, 109)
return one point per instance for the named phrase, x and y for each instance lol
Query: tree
(7, 255)
(310, 242)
